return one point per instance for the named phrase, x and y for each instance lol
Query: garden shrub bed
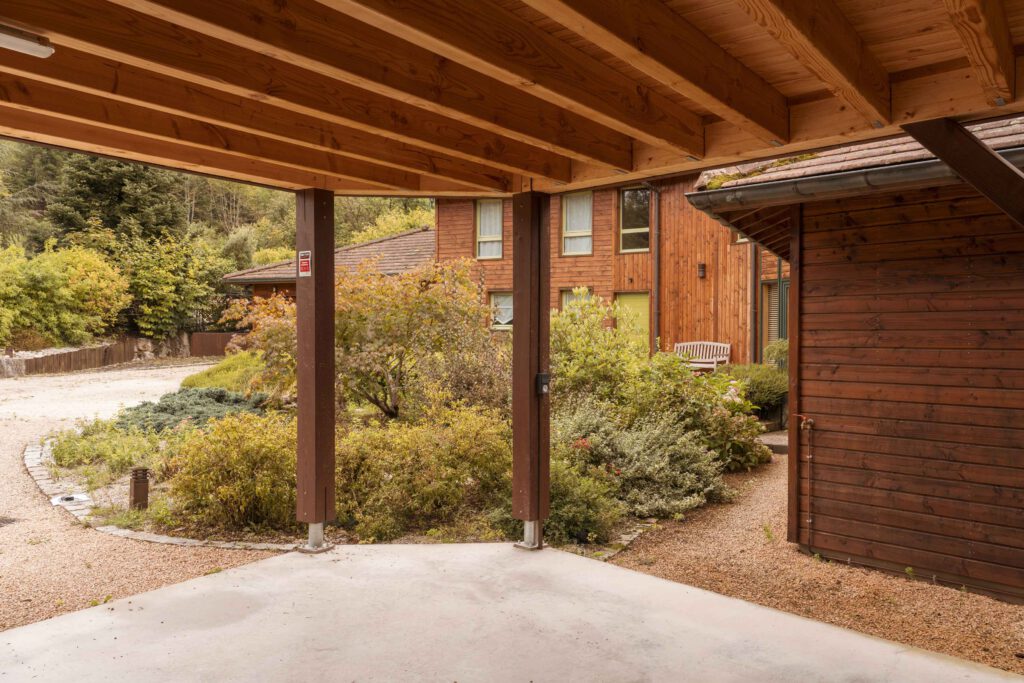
(424, 429)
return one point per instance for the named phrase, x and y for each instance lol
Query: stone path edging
(39, 458)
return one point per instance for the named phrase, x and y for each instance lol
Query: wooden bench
(704, 355)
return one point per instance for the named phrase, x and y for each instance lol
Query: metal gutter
(914, 174)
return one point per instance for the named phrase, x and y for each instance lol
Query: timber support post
(314, 243)
(531, 437)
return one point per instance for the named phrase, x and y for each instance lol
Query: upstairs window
(634, 220)
(488, 228)
(501, 310)
(578, 224)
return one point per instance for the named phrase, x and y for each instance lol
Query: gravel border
(37, 462)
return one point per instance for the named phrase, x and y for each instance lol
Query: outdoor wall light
(702, 270)
(25, 42)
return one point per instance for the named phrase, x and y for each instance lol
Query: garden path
(740, 550)
(50, 564)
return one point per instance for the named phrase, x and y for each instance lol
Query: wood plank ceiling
(474, 97)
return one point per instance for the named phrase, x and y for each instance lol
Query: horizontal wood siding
(911, 364)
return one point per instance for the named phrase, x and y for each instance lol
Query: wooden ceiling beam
(48, 130)
(86, 73)
(982, 27)
(976, 163)
(311, 36)
(651, 37)
(497, 42)
(152, 44)
(818, 35)
(27, 95)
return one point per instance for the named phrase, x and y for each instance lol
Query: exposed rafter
(499, 43)
(309, 35)
(29, 95)
(81, 72)
(651, 37)
(160, 46)
(823, 40)
(976, 163)
(981, 25)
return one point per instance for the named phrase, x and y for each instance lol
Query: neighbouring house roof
(755, 199)
(998, 134)
(396, 254)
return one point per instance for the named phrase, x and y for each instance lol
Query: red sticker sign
(305, 263)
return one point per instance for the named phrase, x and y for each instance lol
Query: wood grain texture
(652, 38)
(982, 27)
(914, 377)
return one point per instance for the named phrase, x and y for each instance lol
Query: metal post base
(315, 542)
(533, 535)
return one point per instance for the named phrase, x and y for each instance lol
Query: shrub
(194, 407)
(238, 473)
(102, 442)
(663, 469)
(272, 335)
(589, 355)
(234, 373)
(66, 296)
(777, 353)
(397, 477)
(264, 257)
(765, 385)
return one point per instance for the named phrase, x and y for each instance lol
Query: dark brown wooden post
(314, 292)
(530, 405)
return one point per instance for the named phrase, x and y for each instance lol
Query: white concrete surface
(484, 612)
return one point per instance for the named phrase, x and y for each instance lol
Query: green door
(639, 306)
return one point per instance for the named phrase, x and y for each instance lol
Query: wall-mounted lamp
(702, 270)
(25, 42)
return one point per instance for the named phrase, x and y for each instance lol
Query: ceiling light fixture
(25, 42)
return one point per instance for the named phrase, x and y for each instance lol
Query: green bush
(764, 385)
(400, 477)
(234, 373)
(777, 353)
(66, 296)
(194, 407)
(102, 442)
(663, 469)
(237, 473)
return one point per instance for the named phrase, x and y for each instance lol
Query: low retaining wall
(210, 343)
(122, 351)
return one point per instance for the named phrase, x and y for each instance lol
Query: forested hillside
(91, 246)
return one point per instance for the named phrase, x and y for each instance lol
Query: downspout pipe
(655, 264)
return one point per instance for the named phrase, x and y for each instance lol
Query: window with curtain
(577, 224)
(488, 228)
(501, 310)
(634, 220)
(575, 294)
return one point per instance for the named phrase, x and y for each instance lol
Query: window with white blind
(578, 224)
(488, 228)
(501, 310)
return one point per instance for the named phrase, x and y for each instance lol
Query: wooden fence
(122, 351)
(209, 343)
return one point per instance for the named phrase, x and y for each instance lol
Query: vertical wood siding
(911, 364)
(715, 308)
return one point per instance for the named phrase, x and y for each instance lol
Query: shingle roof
(396, 254)
(999, 134)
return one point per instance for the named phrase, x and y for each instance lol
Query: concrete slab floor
(474, 612)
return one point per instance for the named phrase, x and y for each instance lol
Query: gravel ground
(740, 550)
(49, 564)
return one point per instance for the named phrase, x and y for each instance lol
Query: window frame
(590, 231)
(490, 300)
(635, 231)
(563, 292)
(500, 238)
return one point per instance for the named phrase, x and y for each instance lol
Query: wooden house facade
(684, 276)
(906, 357)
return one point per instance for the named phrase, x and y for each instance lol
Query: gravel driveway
(49, 564)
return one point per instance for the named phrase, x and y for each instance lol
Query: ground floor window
(501, 310)
(774, 311)
(638, 306)
(574, 294)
